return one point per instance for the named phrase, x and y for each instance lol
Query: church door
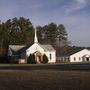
(38, 57)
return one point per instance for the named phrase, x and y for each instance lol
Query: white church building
(21, 53)
(39, 50)
(81, 56)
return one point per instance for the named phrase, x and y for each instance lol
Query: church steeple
(35, 37)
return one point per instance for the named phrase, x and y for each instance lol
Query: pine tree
(45, 59)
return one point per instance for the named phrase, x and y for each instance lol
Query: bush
(3, 59)
(45, 59)
(31, 59)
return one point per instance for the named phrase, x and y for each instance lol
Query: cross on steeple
(35, 37)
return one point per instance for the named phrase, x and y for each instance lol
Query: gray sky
(74, 14)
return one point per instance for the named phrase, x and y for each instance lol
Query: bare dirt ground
(44, 80)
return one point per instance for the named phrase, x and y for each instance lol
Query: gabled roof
(16, 47)
(47, 47)
(86, 55)
(84, 51)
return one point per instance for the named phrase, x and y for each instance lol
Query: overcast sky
(74, 14)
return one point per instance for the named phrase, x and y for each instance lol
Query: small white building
(81, 56)
(21, 53)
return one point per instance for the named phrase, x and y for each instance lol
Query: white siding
(53, 56)
(77, 57)
(35, 47)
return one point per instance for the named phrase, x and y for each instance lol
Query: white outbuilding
(81, 56)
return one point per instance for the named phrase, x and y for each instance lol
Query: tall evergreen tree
(23, 30)
(51, 33)
(62, 39)
(48, 33)
(16, 31)
(62, 34)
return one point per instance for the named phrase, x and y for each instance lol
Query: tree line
(20, 31)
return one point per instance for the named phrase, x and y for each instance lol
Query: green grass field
(44, 80)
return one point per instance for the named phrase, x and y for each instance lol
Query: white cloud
(75, 5)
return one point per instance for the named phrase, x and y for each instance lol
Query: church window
(74, 58)
(68, 58)
(79, 58)
(50, 56)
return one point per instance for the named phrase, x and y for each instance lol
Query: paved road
(48, 66)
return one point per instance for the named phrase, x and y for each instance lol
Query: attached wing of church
(20, 53)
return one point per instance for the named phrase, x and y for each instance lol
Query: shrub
(45, 59)
(3, 59)
(31, 59)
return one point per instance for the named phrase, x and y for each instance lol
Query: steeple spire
(35, 37)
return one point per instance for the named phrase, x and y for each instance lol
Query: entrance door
(38, 57)
(87, 59)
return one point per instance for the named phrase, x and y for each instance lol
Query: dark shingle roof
(16, 47)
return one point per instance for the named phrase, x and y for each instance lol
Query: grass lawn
(44, 80)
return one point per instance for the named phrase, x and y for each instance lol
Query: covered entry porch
(86, 58)
(38, 57)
